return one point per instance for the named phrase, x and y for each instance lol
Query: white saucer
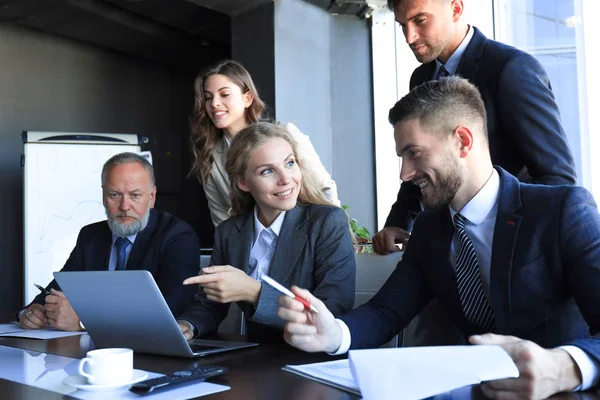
(80, 382)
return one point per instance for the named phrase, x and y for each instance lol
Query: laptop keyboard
(198, 348)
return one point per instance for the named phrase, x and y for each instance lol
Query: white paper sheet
(47, 371)
(420, 372)
(182, 393)
(333, 373)
(14, 330)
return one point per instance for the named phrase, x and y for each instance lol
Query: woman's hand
(227, 284)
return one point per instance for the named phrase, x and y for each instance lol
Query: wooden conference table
(255, 373)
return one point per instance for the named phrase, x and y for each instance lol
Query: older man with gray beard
(134, 237)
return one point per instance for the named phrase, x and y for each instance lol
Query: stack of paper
(413, 372)
(333, 373)
(14, 330)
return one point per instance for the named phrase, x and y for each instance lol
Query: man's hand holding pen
(56, 313)
(34, 317)
(59, 312)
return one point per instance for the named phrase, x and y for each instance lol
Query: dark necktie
(470, 288)
(122, 245)
(442, 73)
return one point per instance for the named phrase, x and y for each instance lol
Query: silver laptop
(126, 309)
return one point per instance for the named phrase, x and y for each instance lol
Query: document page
(333, 373)
(420, 372)
(14, 330)
(411, 372)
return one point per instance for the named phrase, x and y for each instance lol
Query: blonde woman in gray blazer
(281, 226)
(226, 101)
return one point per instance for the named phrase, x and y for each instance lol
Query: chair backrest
(372, 270)
(234, 322)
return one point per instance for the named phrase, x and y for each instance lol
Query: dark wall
(54, 84)
(253, 45)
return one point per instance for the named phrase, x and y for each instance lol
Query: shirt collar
(226, 141)
(452, 64)
(275, 226)
(484, 201)
(130, 237)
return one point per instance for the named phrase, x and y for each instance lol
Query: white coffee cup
(107, 366)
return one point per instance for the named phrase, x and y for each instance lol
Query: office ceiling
(188, 34)
(230, 7)
(181, 33)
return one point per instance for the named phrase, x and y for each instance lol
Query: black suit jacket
(314, 251)
(167, 247)
(544, 272)
(525, 133)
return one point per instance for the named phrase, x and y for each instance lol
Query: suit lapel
(506, 231)
(290, 243)
(468, 65)
(422, 74)
(100, 254)
(239, 242)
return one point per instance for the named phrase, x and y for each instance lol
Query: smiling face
(273, 179)
(225, 103)
(128, 196)
(428, 27)
(430, 161)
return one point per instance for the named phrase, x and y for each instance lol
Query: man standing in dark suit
(525, 133)
(526, 137)
(134, 237)
(513, 264)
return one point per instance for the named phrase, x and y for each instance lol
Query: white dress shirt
(112, 261)
(264, 242)
(263, 245)
(480, 214)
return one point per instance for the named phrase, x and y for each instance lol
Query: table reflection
(37, 369)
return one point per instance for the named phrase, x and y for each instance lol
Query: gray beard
(123, 230)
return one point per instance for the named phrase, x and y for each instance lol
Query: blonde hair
(204, 134)
(242, 146)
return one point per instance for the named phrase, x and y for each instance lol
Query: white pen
(276, 285)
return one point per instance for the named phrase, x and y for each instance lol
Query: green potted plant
(361, 233)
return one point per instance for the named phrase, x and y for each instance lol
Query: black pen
(42, 289)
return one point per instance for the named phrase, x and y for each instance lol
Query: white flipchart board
(62, 193)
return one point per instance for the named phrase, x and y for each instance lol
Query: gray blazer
(216, 188)
(314, 251)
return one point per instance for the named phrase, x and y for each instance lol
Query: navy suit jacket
(167, 247)
(526, 137)
(314, 251)
(544, 272)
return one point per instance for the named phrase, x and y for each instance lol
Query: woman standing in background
(227, 101)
